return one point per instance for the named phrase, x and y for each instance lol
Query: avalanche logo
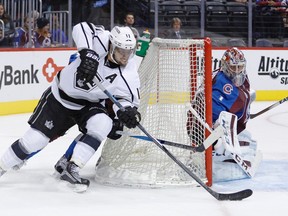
(227, 88)
(50, 69)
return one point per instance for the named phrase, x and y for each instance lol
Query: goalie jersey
(228, 97)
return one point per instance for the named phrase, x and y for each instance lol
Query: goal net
(171, 74)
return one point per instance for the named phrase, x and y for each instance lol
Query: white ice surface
(34, 191)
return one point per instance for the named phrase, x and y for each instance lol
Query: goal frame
(197, 62)
(208, 102)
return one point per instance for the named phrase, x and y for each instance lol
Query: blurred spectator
(129, 21)
(271, 14)
(81, 10)
(100, 13)
(42, 34)
(56, 5)
(241, 1)
(21, 38)
(284, 3)
(7, 30)
(176, 32)
(35, 15)
(47, 5)
(59, 37)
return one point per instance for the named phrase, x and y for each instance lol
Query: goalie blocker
(234, 157)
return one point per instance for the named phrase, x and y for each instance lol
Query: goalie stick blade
(237, 196)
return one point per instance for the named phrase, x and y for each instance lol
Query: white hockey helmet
(233, 64)
(122, 38)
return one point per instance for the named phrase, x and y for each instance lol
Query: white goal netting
(171, 73)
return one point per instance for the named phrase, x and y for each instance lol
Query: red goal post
(172, 73)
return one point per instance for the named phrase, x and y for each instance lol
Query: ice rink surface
(34, 191)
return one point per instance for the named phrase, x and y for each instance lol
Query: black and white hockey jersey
(122, 82)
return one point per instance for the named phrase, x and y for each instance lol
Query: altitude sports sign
(267, 70)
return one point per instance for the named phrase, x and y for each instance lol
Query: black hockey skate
(61, 164)
(71, 175)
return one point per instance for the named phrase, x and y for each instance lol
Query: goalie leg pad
(229, 140)
(226, 170)
(247, 143)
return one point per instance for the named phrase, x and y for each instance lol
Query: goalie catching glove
(88, 66)
(129, 116)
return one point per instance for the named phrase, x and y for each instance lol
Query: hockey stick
(268, 108)
(219, 196)
(237, 158)
(215, 135)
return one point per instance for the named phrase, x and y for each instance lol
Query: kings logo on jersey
(86, 86)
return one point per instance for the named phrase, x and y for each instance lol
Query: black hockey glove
(129, 116)
(117, 126)
(89, 64)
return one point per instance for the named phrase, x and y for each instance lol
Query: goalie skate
(71, 175)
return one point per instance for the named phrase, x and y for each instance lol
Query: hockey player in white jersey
(74, 98)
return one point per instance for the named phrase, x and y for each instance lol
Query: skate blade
(56, 175)
(79, 188)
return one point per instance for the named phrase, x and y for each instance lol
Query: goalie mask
(123, 44)
(233, 64)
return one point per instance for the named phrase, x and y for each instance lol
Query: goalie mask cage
(171, 73)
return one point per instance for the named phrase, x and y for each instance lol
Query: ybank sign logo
(50, 69)
(10, 75)
(26, 74)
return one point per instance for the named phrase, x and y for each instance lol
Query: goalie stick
(219, 196)
(268, 108)
(236, 157)
(215, 135)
